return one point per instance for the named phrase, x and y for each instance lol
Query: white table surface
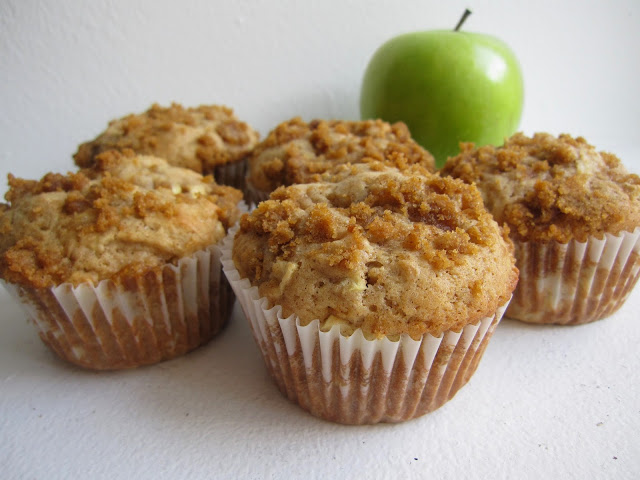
(546, 402)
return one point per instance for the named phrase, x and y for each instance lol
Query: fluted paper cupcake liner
(231, 174)
(136, 321)
(576, 282)
(354, 380)
(253, 195)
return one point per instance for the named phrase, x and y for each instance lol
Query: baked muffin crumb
(126, 213)
(199, 138)
(300, 152)
(384, 251)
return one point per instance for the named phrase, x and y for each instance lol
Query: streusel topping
(551, 188)
(126, 214)
(198, 138)
(299, 152)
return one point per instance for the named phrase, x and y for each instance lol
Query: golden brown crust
(125, 215)
(198, 138)
(299, 152)
(549, 188)
(384, 251)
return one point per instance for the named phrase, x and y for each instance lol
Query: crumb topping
(126, 214)
(299, 152)
(384, 251)
(198, 138)
(548, 188)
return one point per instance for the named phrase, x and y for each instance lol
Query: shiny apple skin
(448, 87)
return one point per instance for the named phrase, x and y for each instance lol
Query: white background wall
(67, 67)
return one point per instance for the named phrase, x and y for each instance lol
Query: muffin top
(298, 152)
(549, 188)
(386, 251)
(198, 138)
(126, 215)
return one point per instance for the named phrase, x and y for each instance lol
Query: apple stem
(466, 13)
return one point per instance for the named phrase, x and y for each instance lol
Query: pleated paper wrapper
(137, 321)
(253, 195)
(353, 380)
(231, 174)
(576, 282)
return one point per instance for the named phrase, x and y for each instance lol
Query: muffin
(118, 265)
(208, 139)
(299, 152)
(372, 297)
(573, 214)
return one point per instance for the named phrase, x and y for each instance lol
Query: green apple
(448, 86)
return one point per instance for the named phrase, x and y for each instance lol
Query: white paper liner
(576, 282)
(353, 380)
(139, 321)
